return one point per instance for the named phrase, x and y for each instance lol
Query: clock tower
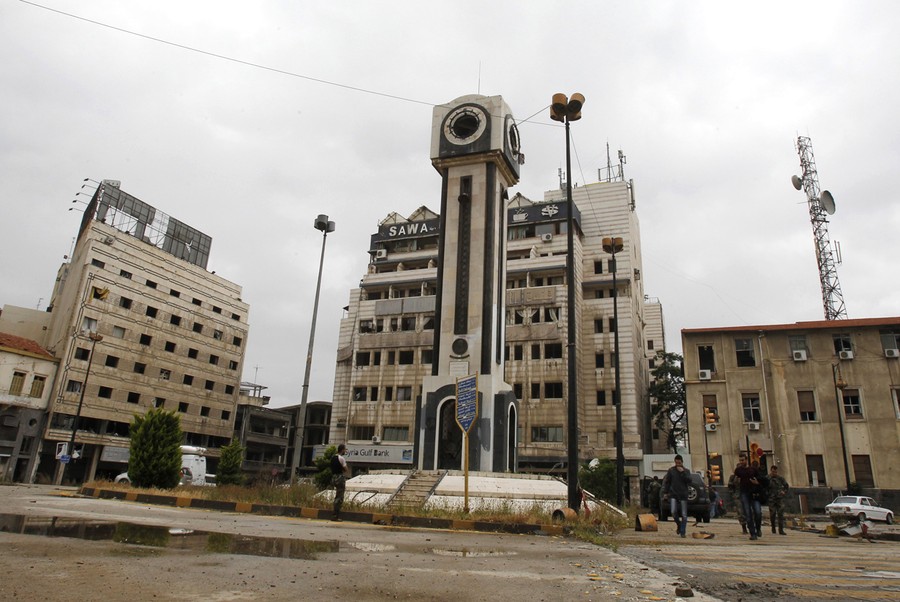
(475, 149)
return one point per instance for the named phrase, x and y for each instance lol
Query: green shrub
(599, 480)
(155, 459)
(322, 479)
(229, 471)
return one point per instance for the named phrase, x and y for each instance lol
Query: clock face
(512, 138)
(465, 125)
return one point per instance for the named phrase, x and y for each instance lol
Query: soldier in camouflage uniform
(778, 489)
(733, 489)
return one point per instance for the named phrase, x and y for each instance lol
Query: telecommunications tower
(821, 205)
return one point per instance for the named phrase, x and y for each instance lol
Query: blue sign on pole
(466, 401)
(65, 458)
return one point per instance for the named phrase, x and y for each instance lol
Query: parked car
(855, 506)
(698, 501)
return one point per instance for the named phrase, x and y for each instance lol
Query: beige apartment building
(137, 322)
(820, 399)
(387, 333)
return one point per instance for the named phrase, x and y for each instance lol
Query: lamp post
(613, 246)
(324, 226)
(567, 110)
(839, 385)
(95, 338)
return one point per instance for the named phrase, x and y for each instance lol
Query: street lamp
(839, 385)
(95, 338)
(324, 226)
(613, 246)
(567, 110)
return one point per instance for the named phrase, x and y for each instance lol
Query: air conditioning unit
(376, 439)
(547, 237)
(381, 254)
(846, 355)
(752, 426)
(892, 353)
(712, 427)
(706, 375)
(800, 355)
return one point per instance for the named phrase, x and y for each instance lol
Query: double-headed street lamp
(613, 246)
(567, 110)
(324, 226)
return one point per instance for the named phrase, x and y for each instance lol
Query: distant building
(173, 336)
(27, 373)
(263, 432)
(820, 399)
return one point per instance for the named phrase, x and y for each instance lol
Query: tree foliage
(229, 471)
(599, 479)
(668, 398)
(323, 468)
(155, 459)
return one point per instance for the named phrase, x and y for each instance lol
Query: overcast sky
(247, 119)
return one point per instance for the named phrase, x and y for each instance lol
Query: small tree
(599, 478)
(229, 471)
(323, 467)
(667, 391)
(155, 459)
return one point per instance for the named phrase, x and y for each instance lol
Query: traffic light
(710, 414)
(756, 452)
(715, 473)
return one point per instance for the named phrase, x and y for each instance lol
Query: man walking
(675, 489)
(748, 480)
(735, 491)
(778, 489)
(339, 472)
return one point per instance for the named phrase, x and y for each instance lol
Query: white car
(862, 508)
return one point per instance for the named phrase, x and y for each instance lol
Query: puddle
(164, 537)
(466, 553)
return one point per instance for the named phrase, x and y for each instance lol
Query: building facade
(137, 322)
(387, 333)
(820, 399)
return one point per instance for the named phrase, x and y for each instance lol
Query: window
(601, 398)
(391, 358)
(710, 402)
(428, 322)
(105, 393)
(373, 393)
(612, 324)
(197, 302)
(752, 411)
(553, 351)
(598, 267)
(852, 404)
(82, 354)
(598, 326)
(598, 294)
(151, 311)
(553, 390)
(118, 332)
(134, 397)
(389, 393)
(170, 346)
(359, 393)
(746, 358)
(229, 389)
(99, 293)
(174, 293)
(159, 402)
(599, 360)
(151, 284)
(650, 344)
(366, 326)
(198, 327)
(395, 433)
(146, 339)
(798, 342)
(427, 356)
(183, 407)
(37, 386)
(236, 341)
(815, 470)
(214, 360)
(165, 374)
(73, 386)
(517, 352)
(862, 470)
(806, 401)
(175, 320)
(89, 324)
(535, 390)
(232, 365)
(842, 342)
(362, 432)
(209, 385)
(408, 323)
(193, 353)
(363, 358)
(204, 410)
(546, 434)
(112, 361)
(890, 339)
(235, 317)
(536, 352)
(17, 383)
(404, 393)
(517, 391)
(706, 357)
(217, 310)
(188, 379)
(125, 302)
(405, 357)
(124, 274)
(226, 414)
(97, 263)
(217, 335)
(139, 368)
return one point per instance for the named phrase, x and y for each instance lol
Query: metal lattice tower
(832, 297)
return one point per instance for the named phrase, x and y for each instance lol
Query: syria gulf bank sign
(374, 453)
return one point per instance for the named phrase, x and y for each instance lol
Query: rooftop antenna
(821, 205)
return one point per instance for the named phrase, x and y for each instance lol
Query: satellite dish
(827, 202)
(797, 182)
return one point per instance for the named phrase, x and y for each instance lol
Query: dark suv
(698, 500)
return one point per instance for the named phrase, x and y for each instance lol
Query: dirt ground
(346, 561)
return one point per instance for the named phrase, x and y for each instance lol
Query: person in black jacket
(339, 472)
(675, 489)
